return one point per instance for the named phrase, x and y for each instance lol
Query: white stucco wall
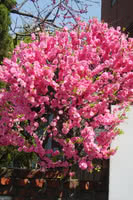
(121, 165)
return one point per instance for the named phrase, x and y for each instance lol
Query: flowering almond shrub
(59, 92)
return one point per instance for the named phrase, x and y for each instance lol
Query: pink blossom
(83, 165)
(60, 89)
(71, 174)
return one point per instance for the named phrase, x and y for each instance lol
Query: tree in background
(37, 15)
(5, 22)
(60, 89)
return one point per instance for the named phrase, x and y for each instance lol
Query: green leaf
(75, 90)
(119, 131)
(67, 140)
(92, 105)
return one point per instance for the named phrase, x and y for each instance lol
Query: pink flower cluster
(59, 92)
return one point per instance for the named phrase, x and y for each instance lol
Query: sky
(94, 10)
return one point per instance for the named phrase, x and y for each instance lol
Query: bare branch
(48, 14)
(24, 14)
(22, 4)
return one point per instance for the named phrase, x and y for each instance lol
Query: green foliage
(5, 21)
(8, 3)
(11, 157)
(2, 85)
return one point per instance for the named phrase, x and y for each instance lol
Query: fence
(23, 184)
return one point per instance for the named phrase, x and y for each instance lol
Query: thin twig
(22, 4)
